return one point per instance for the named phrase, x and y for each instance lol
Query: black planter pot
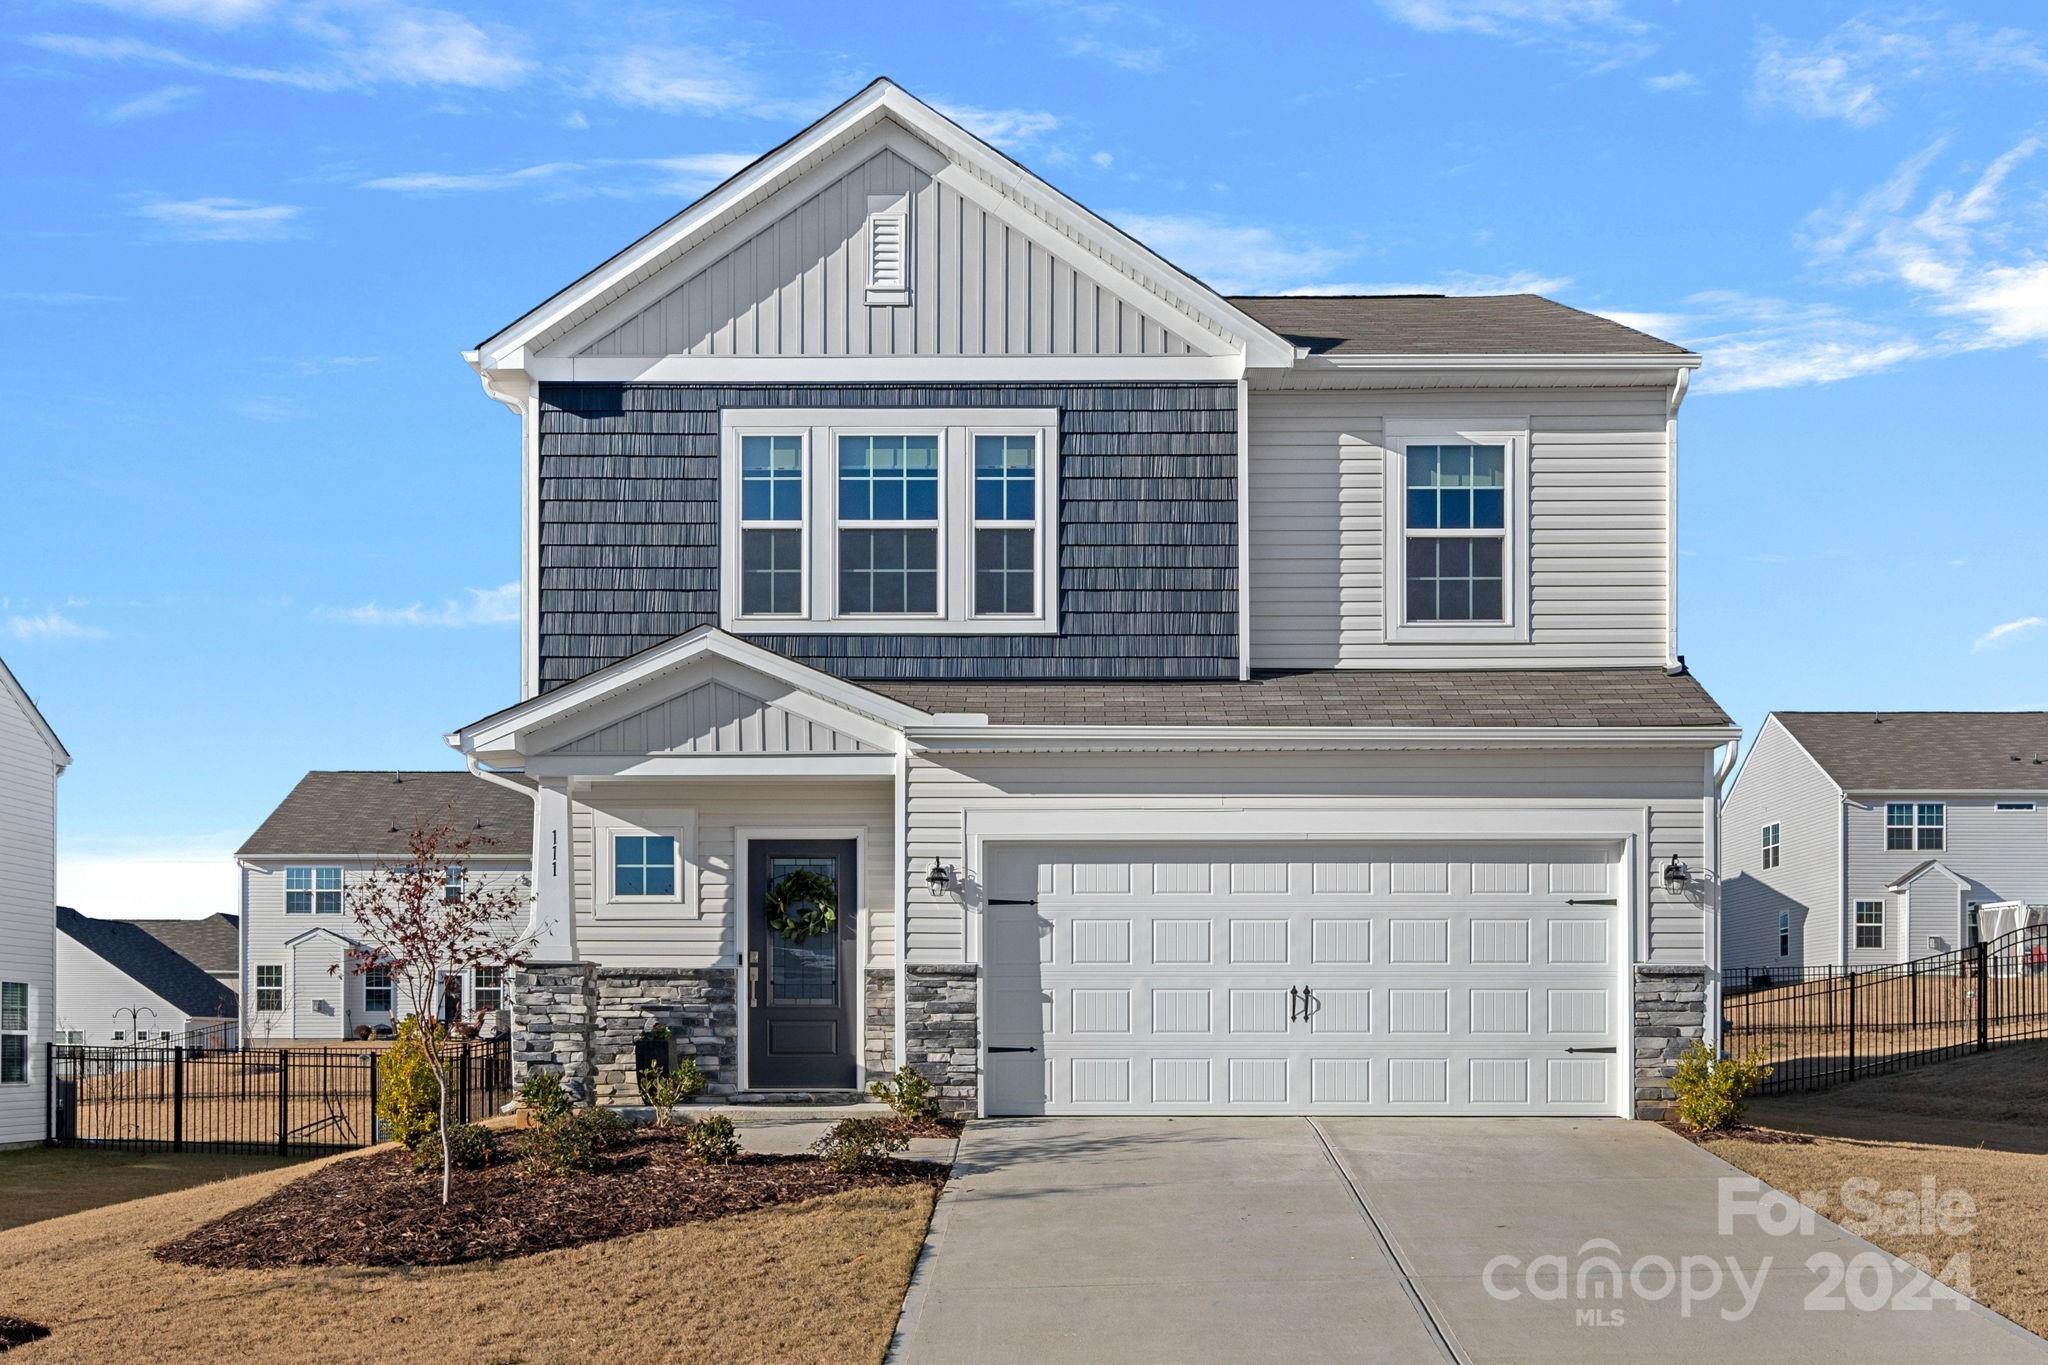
(652, 1052)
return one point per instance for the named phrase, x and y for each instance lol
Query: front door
(800, 993)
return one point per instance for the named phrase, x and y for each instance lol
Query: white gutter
(1679, 384)
(1111, 737)
(1391, 361)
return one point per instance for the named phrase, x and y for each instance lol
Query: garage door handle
(1033, 1049)
(1293, 1003)
(998, 900)
(1597, 900)
(1589, 1049)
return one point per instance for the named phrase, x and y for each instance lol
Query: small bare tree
(424, 928)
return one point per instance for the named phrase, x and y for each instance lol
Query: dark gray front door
(800, 995)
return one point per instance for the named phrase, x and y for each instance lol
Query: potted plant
(652, 1049)
(362, 1033)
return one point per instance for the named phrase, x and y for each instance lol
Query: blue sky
(259, 518)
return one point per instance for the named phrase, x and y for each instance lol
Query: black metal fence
(1823, 1031)
(293, 1101)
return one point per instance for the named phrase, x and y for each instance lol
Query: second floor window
(888, 525)
(377, 990)
(13, 1032)
(312, 890)
(1770, 846)
(269, 988)
(451, 886)
(1915, 825)
(1005, 525)
(1870, 924)
(1457, 532)
(772, 525)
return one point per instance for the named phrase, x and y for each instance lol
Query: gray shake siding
(629, 533)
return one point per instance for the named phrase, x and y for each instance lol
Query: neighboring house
(213, 944)
(300, 866)
(1860, 838)
(31, 760)
(121, 984)
(1200, 704)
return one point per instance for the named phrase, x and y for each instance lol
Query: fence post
(371, 1058)
(284, 1101)
(1983, 996)
(50, 1095)
(1852, 1026)
(178, 1098)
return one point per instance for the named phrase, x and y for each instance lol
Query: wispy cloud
(2006, 633)
(464, 182)
(1672, 80)
(313, 365)
(1761, 342)
(1232, 257)
(221, 220)
(57, 298)
(217, 13)
(483, 607)
(51, 625)
(152, 103)
(1851, 72)
(266, 407)
(1013, 127)
(1455, 282)
(1127, 37)
(691, 80)
(1600, 34)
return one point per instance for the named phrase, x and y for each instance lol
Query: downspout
(532, 794)
(1673, 661)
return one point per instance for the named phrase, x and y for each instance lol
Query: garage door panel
(1303, 979)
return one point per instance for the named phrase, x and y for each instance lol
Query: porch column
(551, 925)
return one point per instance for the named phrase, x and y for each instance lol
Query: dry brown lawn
(1978, 1124)
(49, 1182)
(816, 1281)
(1803, 1028)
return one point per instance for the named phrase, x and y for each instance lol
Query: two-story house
(31, 760)
(124, 985)
(1863, 838)
(302, 980)
(1185, 703)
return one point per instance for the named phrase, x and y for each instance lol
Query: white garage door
(1302, 979)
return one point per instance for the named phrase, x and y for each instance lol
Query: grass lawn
(1978, 1124)
(48, 1182)
(820, 1280)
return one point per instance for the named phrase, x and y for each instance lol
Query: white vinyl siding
(797, 286)
(1665, 789)
(91, 991)
(1596, 526)
(1781, 785)
(28, 895)
(2001, 856)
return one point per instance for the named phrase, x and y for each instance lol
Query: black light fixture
(1676, 875)
(938, 879)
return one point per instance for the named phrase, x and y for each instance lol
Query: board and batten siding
(2003, 855)
(674, 936)
(28, 899)
(1147, 562)
(1669, 784)
(91, 991)
(267, 929)
(1781, 784)
(1597, 527)
(798, 286)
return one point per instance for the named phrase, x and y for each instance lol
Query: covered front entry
(802, 990)
(1304, 978)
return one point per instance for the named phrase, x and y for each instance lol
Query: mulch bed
(374, 1210)
(1741, 1132)
(19, 1332)
(941, 1126)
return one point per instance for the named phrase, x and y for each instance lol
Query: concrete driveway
(1398, 1240)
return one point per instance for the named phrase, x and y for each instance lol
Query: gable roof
(1440, 325)
(1926, 751)
(11, 686)
(213, 944)
(882, 100)
(1533, 697)
(149, 962)
(369, 815)
(1919, 870)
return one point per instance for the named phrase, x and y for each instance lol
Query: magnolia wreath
(802, 904)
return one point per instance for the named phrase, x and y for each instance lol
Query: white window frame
(1918, 826)
(454, 881)
(1036, 526)
(475, 989)
(2014, 807)
(1773, 845)
(257, 1002)
(1857, 926)
(314, 891)
(955, 429)
(390, 997)
(607, 827)
(27, 1027)
(1784, 933)
(805, 493)
(1400, 433)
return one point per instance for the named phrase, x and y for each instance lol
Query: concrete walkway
(1383, 1239)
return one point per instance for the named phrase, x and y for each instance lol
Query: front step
(797, 1097)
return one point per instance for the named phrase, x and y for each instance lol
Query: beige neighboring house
(297, 869)
(31, 760)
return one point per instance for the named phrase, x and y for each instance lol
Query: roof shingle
(369, 815)
(1432, 324)
(1955, 751)
(213, 944)
(145, 959)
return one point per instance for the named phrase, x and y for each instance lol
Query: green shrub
(471, 1147)
(856, 1146)
(689, 1079)
(1710, 1091)
(408, 1100)
(712, 1140)
(908, 1093)
(667, 1089)
(575, 1141)
(542, 1097)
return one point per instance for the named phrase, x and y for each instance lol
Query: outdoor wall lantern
(938, 879)
(1676, 875)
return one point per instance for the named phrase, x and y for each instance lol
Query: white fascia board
(296, 939)
(995, 369)
(501, 734)
(1535, 361)
(1201, 738)
(725, 767)
(1935, 866)
(1935, 793)
(12, 686)
(257, 862)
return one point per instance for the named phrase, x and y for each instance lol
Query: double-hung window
(269, 988)
(451, 886)
(1771, 848)
(377, 990)
(1784, 933)
(1870, 924)
(1455, 543)
(486, 989)
(312, 890)
(919, 521)
(888, 525)
(1915, 825)
(13, 1033)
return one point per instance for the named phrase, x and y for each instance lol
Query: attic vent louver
(888, 250)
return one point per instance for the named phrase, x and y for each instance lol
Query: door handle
(1293, 1003)
(754, 986)
(1309, 1003)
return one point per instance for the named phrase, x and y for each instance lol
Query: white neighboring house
(1864, 838)
(299, 866)
(123, 985)
(31, 760)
